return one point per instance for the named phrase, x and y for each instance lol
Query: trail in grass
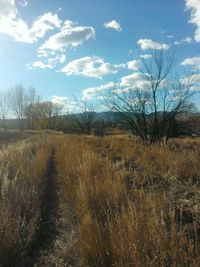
(56, 235)
(47, 226)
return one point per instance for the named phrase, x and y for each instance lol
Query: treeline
(25, 106)
(153, 106)
(23, 109)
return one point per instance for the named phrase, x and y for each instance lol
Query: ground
(72, 200)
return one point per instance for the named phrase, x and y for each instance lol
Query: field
(70, 200)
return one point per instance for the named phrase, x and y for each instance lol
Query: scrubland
(118, 202)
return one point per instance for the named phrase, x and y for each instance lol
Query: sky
(79, 48)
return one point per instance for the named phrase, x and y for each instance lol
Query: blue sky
(65, 47)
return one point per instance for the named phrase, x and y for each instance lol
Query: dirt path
(49, 211)
(56, 236)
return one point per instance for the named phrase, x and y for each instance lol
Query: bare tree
(18, 103)
(83, 121)
(150, 106)
(4, 107)
(30, 112)
(47, 115)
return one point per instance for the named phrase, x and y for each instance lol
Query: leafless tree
(4, 107)
(100, 127)
(83, 121)
(150, 106)
(18, 102)
(30, 112)
(47, 115)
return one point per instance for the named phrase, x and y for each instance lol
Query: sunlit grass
(145, 224)
(125, 204)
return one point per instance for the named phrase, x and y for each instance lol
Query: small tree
(32, 100)
(100, 127)
(47, 115)
(18, 103)
(83, 122)
(4, 107)
(150, 106)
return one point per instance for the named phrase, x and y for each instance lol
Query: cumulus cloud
(193, 79)
(134, 80)
(60, 100)
(70, 35)
(137, 80)
(23, 3)
(113, 24)
(146, 56)
(94, 67)
(93, 92)
(128, 83)
(12, 25)
(194, 7)
(50, 61)
(39, 65)
(193, 61)
(187, 40)
(62, 58)
(149, 44)
(68, 105)
(133, 64)
(7, 9)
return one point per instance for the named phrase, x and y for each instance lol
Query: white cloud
(193, 61)
(51, 61)
(135, 80)
(57, 58)
(68, 105)
(194, 6)
(39, 65)
(12, 25)
(91, 67)
(128, 83)
(113, 24)
(70, 35)
(187, 40)
(92, 92)
(149, 44)
(7, 9)
(138, 81)
(23, 3)
(146, 56)
(60, 100)
(166, 34)
(133, 64)
(170, 36)
(62, 58)
(193, 79)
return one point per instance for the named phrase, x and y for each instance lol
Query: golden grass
(124, 204)
(123, 225)
(22, 167)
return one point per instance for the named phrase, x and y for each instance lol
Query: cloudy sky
(81, 48)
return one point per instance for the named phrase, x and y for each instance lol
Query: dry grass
(22, 185)
(148, 222)
(120, 203)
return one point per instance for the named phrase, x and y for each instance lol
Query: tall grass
(120, 203)
(152, 221)
(22, 184)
